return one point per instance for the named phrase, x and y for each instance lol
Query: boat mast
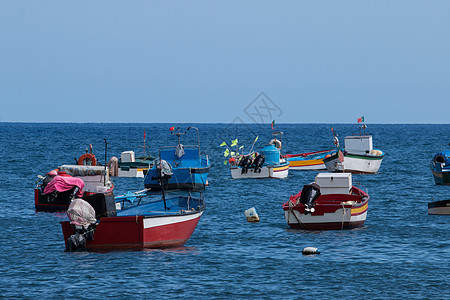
(144, 145)
(178, 134)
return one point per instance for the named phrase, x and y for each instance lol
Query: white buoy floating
(310, 251)
(251, 215)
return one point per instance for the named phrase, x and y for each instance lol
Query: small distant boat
(267, 164)
(440, 167)
(439, 207)
(59, 187)
(130, 165)
(358, 156)
(331, 202)
(183, 165)
(309, 160)
(161, 223)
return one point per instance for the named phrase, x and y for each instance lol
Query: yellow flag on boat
(256, 138)
(223, 144)
(241, 147)
(226, 153)
(225, 162)
(233, 153)
(234, 142)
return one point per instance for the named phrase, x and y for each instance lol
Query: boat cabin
(334, 183)
(359, 144)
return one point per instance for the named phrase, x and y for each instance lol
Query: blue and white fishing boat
(440, 167)
(182, 166)
(268, 163)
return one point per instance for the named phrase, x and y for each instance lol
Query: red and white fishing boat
(57, 188)
(166, 222)
(331, 202)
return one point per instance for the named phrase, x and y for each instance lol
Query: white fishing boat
(268, 163)
(358, 156)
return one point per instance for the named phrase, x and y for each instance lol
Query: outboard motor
(82, 218)
(245, 163)
(310, 193)
(258, 163)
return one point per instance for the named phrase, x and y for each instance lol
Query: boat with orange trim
(309, 160)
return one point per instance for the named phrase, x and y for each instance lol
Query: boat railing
(131, 197)
(362, 190)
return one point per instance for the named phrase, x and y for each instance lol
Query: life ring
(276, 143)
(336, 141)
(87, 159)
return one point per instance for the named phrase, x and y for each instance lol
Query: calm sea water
(401, 252)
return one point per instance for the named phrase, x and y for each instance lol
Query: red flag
(144, 135)
(172, 128)
(273, 124)
(361, 120)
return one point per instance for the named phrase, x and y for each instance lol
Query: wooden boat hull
(439, 207)
(139, 232)
(354, 163)
(332, 212)
(308, 161)
(268, 171)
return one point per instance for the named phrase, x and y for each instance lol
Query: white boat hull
(355, 164)
(342, 218)
(131, 172)
(281, 171)
(439, 211)
(310, 167)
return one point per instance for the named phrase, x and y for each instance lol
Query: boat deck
(176, 205)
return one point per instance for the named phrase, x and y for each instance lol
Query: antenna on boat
(178, 134)
(144, 144)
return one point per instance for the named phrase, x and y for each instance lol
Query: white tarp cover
(81, 213)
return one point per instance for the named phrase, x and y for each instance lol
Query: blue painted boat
(179, 167)
(267, 164)
(309, 160)
(440, 167)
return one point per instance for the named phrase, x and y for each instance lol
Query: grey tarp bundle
(179, 151)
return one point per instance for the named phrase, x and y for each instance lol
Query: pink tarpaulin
(63, 183)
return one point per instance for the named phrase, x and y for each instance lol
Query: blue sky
(208, 61)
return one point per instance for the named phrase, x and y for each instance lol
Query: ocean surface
(400, 253)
